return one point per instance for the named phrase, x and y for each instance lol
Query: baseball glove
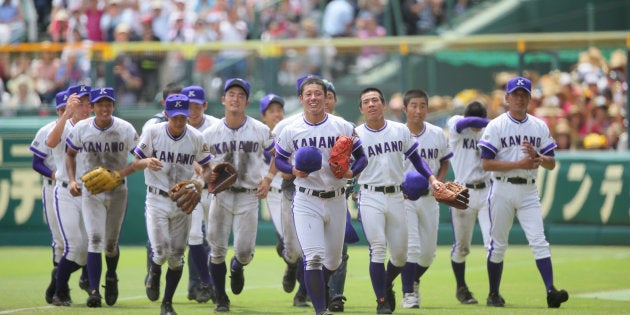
(224, 175)
(101, 179)
(454, 195)
(339, 160)
(186, 194)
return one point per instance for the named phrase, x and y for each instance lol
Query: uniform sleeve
(145, 145)
(74, 137)
(489, 141)
(410, 144)
(268, 141)
(547, 144)
(445, 148)
(203, 150)
(38, 145)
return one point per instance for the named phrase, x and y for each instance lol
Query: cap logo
(65, 97)
(82, 88)
(103, 91)
(191, 93)
(520, 82)
(178, 104)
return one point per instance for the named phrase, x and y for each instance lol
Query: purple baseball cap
(268, 99)
(195, 94)
(308, 159)
(80, 90)
(415, 185)
(177, 105)
(302, 79)
(99, 93)
(61, 99)
(518, 83)
(237, 82)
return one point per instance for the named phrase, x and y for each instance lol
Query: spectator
(93, 14)
(115, 13)
(160, 19)
(43, 8)
(59, 28)
(127, 76)
(422, 16)
(233, 62)
(338, 18)
(43, 71)
(21, 65)
(70, 71)
(23, 95)
(563, 136)
(179, 30)
(11, 22)
(367, 27)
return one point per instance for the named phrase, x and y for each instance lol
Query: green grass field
(597, 278)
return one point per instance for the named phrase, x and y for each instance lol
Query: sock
(408, 273)
(377, 275)
(153, 267)
(459, 270)
(494, 275)
(300, 277)
(84, 272)
(392, 273)
(199, 258)
(235, 264)
(112, 265)
(420, 270)
(94, 268)
(64, 269)
(218, 272)
(172, 280)
(546, 271)
(316, 287)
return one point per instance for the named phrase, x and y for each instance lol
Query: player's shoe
(223, 303)
(111, 290)
(390, 297)
(326, 312)
(202, 293)
(237, 280)
(556, 297)
(152, 285)
(464, 296)
(336, 304)
(495, 299)
(50, 291)
(289, 278)
(94, 300)
(62, 298)
(410, 300)
(167, 308)
(300, 300)
(382, 306)
(84, 284)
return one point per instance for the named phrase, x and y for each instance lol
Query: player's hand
(529, 149)
(437, 185)
(71, 104)
(529, 163)
(75, 189)
(151, 163)
(198, 169)
(348, 174)
(263, 188)
(299, 173)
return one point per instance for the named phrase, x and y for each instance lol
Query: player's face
(197, 110)
(313, 100)
(518, 101)
(331, 102)
(273, 115)
(372, 107)
(83, 109)
(103, 108)
(177, 124)
(416, 110)
(235, 99)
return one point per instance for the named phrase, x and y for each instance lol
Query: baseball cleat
(167, 308)
(464, 296)
(299, 300)
(152, 284)
(410, 300)
(62, 298)
(555, 297)
(289, 278)
(336, 304)
(237, 280)
(94, 300)
(390, 297)
(50, 291)
(111, 290)
(495, 299)
(223, 304)
(382, 306)
(84, 284)
(202, 293)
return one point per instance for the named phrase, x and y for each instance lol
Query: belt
(384, 189)
(241, 190)
(517, 180)
(49, 181)
(64, 184)
(323, 194)
(480, 185)
(275, 190)
(157, 191)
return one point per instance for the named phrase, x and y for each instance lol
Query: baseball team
(393, 168)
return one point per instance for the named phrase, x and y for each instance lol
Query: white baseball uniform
(236, 209)
(103, 213)
(167, 225)
(514, 192)
(39, 148)
(468, 171)
(381, 201)
(423, 215)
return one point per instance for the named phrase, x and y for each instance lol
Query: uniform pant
(103, 216)
(463, 222)
(50, 216)
(69, 217)
(423, 218)
(168, 228)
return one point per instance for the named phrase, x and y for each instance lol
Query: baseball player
(239, 140)
(422, 214)
(44, 164)
(319, 204)
(106, 141)
(200, 287)
(67, 203)
(167, 152)
(464, 134)
(513, 146)
(381, 201)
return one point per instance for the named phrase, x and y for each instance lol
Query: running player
(513, 146)
(68, 202)
(319, 201)
(101, 141)
(422, 214)
(44, 164)
(239, 140)
(464, 134)
(381, 201)
(167, 152)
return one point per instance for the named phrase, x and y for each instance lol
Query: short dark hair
(414, 93)
(476, 109)
(171, 88)
(372, 89)
(313, 80)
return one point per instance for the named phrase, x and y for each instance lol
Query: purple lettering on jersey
(387, 147)
(174, 158)
(517, 140)
(233, 146)
(469, 144)
(429, 153)
(318, 142)
(103, 147)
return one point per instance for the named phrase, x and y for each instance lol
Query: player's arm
(40, 167)
(471, 122)
(54, 136)
(489, 162)
(444, 165)
(71, 168)
(360, 161)
(423, 168)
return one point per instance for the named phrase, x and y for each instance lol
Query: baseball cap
(195, 94)
(308, 159)
(302, 79)
(61, 99)
(518, 83)
(415, 185)
(237, 82)
(99, 93)
(268, 99)
(177, 105)
(80, 90)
